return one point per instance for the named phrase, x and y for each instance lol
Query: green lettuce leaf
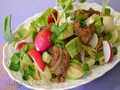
(42, 20)
(28, 72)
(15, 62)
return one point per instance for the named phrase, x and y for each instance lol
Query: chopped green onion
(15, 62)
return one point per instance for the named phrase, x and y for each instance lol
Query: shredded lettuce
(91, 51)
(66, 6)
(57, 30)
(42, 20)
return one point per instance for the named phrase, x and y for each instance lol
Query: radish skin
(37, 58)
(43, 40)
(107, 50)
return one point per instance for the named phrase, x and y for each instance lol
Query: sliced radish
(19, 45)
(107, 50)
(43, 40)
(37, 58)
(53, 17)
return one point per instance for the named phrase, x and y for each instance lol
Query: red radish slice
(107, 50)
(52, 17)
(36, 56)
(19, 45)
(43, 40)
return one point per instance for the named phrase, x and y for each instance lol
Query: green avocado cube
(73, 47)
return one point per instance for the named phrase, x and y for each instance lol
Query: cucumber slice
(46, 57)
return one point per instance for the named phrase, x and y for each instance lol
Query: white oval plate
(38, 85)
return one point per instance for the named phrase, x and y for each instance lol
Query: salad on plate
(63, 43)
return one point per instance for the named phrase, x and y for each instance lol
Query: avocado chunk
(74, 71)
(73, 47)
